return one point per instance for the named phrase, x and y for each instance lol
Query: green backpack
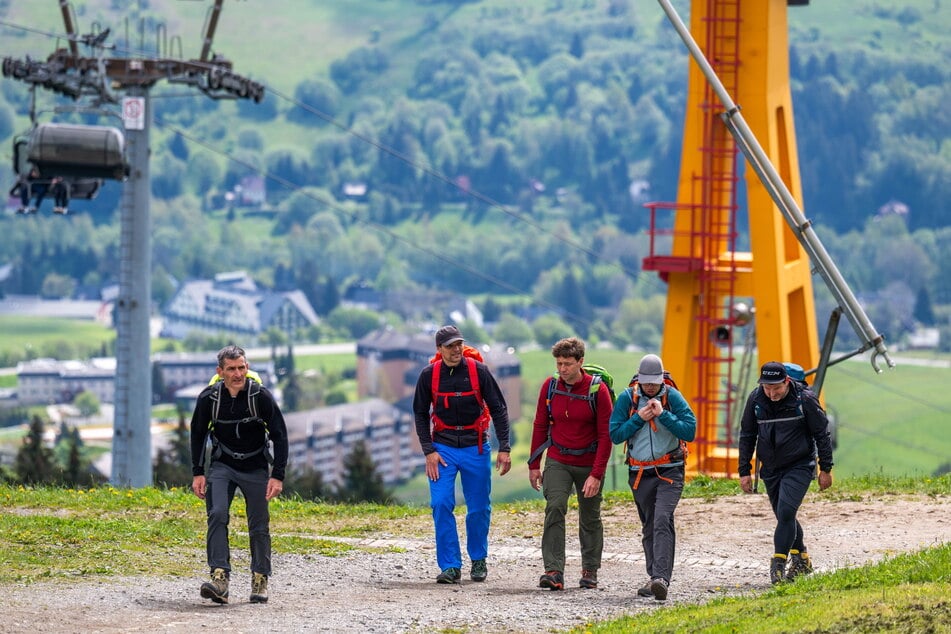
(599, 375)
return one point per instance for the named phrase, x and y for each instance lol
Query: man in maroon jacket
(571, 423)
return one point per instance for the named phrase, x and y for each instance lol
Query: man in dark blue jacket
(240, 416)
(787, 427)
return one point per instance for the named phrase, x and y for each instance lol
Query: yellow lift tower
(744, 44)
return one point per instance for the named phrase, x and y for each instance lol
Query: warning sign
(133, 113)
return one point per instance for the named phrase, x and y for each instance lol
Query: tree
(361, 481)
(87, 403)
(35, 462)
(172, 466)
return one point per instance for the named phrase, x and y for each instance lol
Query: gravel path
(387, 583)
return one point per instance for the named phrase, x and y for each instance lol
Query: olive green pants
(558, 480)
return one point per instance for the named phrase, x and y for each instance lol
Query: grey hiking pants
(656, 500)
(222, 482)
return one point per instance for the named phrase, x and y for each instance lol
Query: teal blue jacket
(677, 422)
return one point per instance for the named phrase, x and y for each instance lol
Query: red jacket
(574, 426)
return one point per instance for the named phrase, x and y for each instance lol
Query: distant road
(349, 347)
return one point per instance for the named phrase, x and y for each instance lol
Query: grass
(155, 531)
(31, 337)
(906, 593)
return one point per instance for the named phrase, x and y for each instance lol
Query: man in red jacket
(573, 426)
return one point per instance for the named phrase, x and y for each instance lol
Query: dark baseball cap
(447, 335)
(771, 373)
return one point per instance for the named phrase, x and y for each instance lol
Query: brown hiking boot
(589, 579)
(217, 588)
(645, 590)
(659, 589)
(258, 588)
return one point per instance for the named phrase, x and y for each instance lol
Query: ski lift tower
(68, 73)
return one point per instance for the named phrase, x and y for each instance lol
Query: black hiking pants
(656, 500)
(786, 489)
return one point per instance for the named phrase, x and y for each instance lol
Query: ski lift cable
(433, 173)
(294, 187)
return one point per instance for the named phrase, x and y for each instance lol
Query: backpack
(674, 456)
(796, 373)
(469, 356)
(599, 375)
(217, 447)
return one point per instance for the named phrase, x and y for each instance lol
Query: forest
(502, 151)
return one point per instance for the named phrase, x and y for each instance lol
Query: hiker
(654, 420)
(787, 427)
(455, 397)
(60, 191)
(575, 419)
(239, 417)
(28, 186)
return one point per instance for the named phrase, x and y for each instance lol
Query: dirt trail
(723, 547)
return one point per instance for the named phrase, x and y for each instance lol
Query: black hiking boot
(479, 570)
(449, 575)
(217, 588)
(777, 569)
(645, 590)
(553, 579)
(659, 589)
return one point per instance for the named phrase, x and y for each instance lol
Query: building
(388, 364)
(232, 303)
(321, 439)
(47, 381)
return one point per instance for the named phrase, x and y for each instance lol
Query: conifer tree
(361, 481)
(35, 462)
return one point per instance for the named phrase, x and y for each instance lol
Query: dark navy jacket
(787, 433)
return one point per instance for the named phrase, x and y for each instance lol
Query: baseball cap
(447, 335)
(651, 370)
(771, 373)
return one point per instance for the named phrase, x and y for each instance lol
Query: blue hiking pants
(475, 471)
(222, 482)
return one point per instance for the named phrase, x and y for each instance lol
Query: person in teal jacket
(656, 422)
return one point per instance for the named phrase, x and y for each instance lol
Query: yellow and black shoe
(799, 564)
(777, 569)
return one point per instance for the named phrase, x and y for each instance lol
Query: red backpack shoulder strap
(437, 366)
(474, 378)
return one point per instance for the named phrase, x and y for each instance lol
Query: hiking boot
(217, 588)
(659, 589)
(589, 579)
(777, 570)
(479, 570)
(449, 575)
(258, 588)
(645, 590)
(799, 564)
(552, 579)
